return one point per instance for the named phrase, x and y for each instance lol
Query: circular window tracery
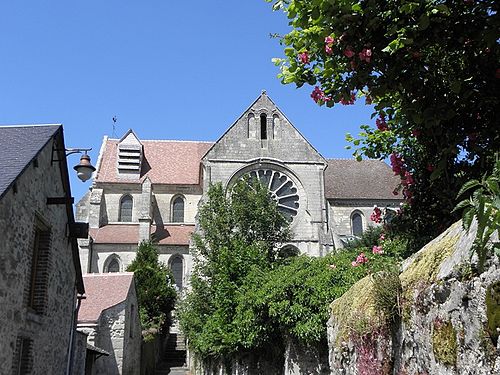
(281, 188)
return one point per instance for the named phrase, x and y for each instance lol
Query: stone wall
(340, 213)
(50, 331)
(447, 321)
(285, 150)
(118, 331)
(290, 358)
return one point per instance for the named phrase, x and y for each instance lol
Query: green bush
(155, 288)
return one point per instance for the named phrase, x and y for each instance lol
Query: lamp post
(84, 169)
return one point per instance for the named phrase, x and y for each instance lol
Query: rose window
(281, 188)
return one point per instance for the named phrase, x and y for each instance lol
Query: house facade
(109, 317)
(151, 190)
(40, 273)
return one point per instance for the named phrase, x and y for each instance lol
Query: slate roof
(19, 145)
(129, 234)
(164, 162)
(367, 179)
(103, 290)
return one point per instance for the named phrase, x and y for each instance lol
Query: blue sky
(167, 69)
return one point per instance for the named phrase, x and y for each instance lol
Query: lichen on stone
(493, 310)
(444, 342)
(359, 311)
(425, 267)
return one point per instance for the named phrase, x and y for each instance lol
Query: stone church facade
(151, 190)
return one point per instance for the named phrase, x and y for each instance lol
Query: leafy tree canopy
(431, 70)
(155, 287)
(246, 295)
(241, 231)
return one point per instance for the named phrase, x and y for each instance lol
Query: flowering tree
(431, 70)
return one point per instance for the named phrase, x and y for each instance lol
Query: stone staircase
(174, 357)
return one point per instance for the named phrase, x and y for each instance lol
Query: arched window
(112, 264)
(126, 204)
(176, 265)
(178, 210)
(263, 126)
(357, 224)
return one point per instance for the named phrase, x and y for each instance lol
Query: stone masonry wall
(50, 332)
(448, 321)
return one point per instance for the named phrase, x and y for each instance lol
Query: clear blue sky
(168, 69)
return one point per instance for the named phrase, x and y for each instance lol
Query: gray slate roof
(367, 179)
(18, 146)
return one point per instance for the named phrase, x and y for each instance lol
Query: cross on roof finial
(263, 92)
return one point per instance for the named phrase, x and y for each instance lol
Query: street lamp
(84, 169)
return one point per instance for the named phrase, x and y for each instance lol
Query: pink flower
(354, 264)
(304, 57)
(368, 99)
(348, 52)
(407, 179)
(365, 55)
(382, 237)
(397, 164)
(416, 133)
(377, 250)
(329, 41)
(328, 50)
(376, 215)
(318, 95)
(348, 101)
(381, 124)
(361, 258)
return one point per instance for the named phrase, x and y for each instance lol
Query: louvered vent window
(40, 268)
(129, 159)
(23, 356)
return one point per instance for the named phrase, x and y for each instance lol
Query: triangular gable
(243, 140)
(130, 138)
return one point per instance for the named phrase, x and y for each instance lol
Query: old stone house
(40, 273)
(151, 189)
(109, 316)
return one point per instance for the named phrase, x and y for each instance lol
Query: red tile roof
(172, 234)
(103, 291)
(129, 234)
(164, 162)
(116, 233)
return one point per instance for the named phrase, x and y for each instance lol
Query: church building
(151, 190)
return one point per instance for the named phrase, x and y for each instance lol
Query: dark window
(40, 267)
(176, 267)
(357, 224)
(114, 265)
(23, 356)
(126, 209)
(178, 210)
(132, 321)
(263, 126)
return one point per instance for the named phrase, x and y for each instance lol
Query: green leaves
(484, 206)
(239, 240)
(155, 287)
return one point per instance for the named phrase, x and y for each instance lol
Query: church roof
(366, 179)
(129, 234)
(103, 290)
(164, 162)
(19, 145)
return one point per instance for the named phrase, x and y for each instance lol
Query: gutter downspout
(69, 366)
